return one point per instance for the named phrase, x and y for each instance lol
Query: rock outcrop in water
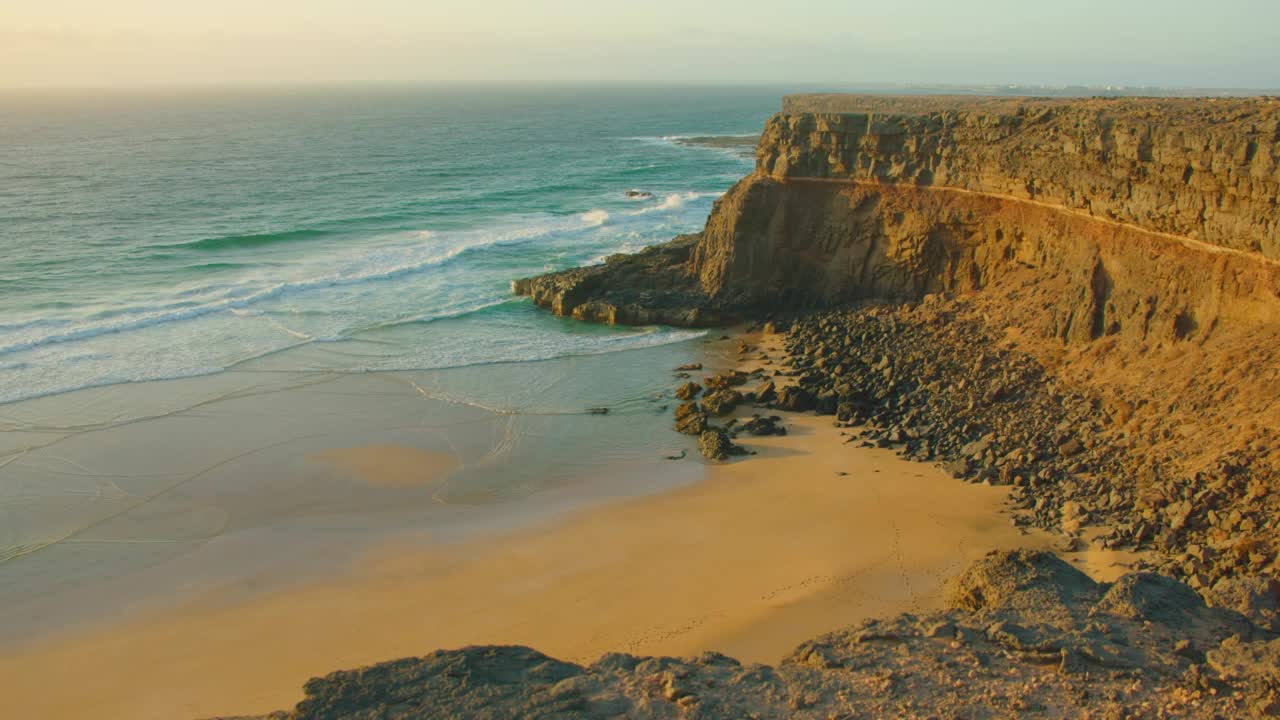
(1025, 635)
(649, 287)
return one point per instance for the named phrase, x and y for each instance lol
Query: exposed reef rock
(649, 287)
(1027, 635)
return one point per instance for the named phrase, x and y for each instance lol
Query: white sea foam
(356, 270)
(338, 291)
(674, 201)
(595, 218)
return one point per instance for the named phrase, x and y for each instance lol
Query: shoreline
(754, 558)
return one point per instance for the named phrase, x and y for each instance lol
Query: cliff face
(1159, 218)
(1159, 215)
(1206, 169)
(808, 243)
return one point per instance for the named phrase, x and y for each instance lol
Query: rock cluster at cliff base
(1027, 635)
(931, 381)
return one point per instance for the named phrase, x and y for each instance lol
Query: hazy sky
(1207, 43)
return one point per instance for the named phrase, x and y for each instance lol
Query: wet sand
(391, 465)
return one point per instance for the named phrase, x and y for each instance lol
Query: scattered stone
(714, 444)
(688, 391)
(1071, 447)
(933, 383)
(795, 399)
(730, 379)
(761, 425)
(765, 393)
(690, 419)
(1256, 597)
(721, 402)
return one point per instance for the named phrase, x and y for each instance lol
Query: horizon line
(809, 85)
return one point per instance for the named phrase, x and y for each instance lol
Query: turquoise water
(162, 235)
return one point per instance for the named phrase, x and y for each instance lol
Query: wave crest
(595, 218)
(232, 242)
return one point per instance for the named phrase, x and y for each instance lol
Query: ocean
(168, 234)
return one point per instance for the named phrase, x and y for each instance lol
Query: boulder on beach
(688, 391)
(721, 402)
(714, 444)
(690, 419)
(762, 425)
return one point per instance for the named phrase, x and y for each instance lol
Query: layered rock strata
(1206, 169)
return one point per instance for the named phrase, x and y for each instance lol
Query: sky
(1172, 43)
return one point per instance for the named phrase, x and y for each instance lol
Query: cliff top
(1207, 110)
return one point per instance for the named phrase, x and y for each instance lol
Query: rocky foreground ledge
(1025, 635)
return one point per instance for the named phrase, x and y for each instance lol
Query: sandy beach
(809, 535)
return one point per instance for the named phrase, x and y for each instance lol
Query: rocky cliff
(1127, 246)
(1163, 211)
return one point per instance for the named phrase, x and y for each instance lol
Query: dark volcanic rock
(795, 399)
(761, 425)
(690, 419)
(725, 380)
(721, 402)
(688, 391)
(714, 444)
(653, 286)
(765, 393)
